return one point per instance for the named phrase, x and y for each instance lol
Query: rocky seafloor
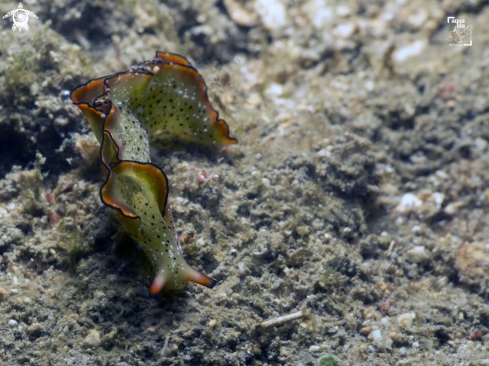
(357, 198)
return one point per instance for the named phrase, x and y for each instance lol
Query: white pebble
(15, 280)
(201, 242)
(418, 17)
(417, 254)
(344, 30)
(415, 344)
(92, 339)
(409, 203)
(14, 291)
(377, 335)
(318, 13)
(12, 322)
(274, 90)
(480, 144)
(438, 198)
(343, 10)
(272, 13)
(410, 50)
(212, 323)
(314, 349)
(453, 207)
(415, 229)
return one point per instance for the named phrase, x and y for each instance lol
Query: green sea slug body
(165, 94)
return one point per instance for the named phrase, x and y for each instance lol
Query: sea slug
(123, 109)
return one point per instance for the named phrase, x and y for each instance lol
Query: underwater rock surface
(350, 222)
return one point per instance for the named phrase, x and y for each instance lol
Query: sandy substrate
(357, 198)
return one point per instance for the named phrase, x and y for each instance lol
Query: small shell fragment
(405, 321)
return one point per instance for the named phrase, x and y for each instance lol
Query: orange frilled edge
(93, 99)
